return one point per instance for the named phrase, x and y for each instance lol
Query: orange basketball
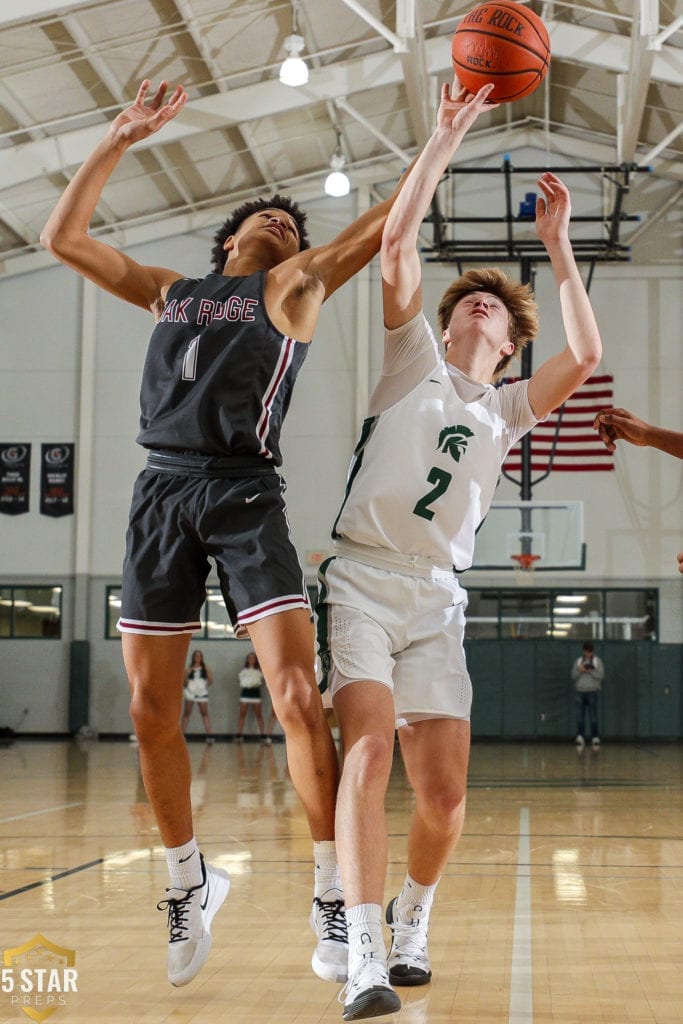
(504, 43)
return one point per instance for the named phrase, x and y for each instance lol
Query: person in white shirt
(391, 610)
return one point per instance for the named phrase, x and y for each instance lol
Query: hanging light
(294, 70)
(337, 183)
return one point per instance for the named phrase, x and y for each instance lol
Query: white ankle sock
(365, 934)
(184, 865)
(414, 900)
(327, 874)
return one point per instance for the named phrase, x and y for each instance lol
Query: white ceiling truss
(612, 96)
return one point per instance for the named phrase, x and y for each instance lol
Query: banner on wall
(15, 478)
(57, 480)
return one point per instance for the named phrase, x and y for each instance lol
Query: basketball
(504, 43)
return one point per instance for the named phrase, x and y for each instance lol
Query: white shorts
(196, 698)
(397, 628)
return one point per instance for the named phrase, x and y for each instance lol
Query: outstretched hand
(139, 120)
(459, 108)
(620, 424)
(553, 209)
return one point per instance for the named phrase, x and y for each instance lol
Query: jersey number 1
(441, 479)
(190, 360)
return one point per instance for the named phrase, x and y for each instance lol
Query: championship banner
(15, 478)
(57, 480)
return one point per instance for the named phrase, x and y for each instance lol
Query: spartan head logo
(453, 440)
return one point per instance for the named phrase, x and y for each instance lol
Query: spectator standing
(588, 672)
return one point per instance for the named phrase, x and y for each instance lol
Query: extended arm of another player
(562, 374)
(620, 424)
(66, 233)
(332, 265)
(401, 266)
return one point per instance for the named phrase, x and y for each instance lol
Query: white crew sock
(365, 934)
(414, 901)
(184, 865)
(327, 874)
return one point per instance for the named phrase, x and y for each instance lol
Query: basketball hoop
(525, 563)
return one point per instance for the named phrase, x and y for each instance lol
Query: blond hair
(517, 298)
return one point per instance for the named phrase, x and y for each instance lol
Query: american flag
(577, 447)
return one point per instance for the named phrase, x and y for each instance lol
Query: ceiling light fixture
(294, 69)
(337, 183)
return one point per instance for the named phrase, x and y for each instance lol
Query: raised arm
(329, 266)
(562, 374)
(66, 233)
(333, 264)
(619, 424)
(401, 267)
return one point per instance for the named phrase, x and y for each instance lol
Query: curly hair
(517, 298)
(238, 216)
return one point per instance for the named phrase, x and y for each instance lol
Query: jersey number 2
(441, 479)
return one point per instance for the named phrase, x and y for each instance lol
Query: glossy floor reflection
(563, 902)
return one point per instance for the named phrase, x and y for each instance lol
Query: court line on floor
(521, 972)
(45, 810)
(52, 878)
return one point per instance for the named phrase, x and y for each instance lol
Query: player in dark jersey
(216, 385)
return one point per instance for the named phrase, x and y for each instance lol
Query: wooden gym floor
(563, 902)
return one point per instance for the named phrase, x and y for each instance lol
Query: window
(482, 615)
(215, 619)
(631, 615)
(572, 614)
(31, 612)
(578, 615)
(524, 614)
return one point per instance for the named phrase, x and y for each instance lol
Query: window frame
(27, 587)
(605, 622)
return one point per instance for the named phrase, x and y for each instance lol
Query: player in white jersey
(391, 612)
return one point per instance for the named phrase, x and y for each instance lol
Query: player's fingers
(159, 97)
(485, 91)
(142, 91)
(178, 98)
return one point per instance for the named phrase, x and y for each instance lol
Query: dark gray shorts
(178, 522)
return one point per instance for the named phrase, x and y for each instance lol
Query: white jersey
(425, 469)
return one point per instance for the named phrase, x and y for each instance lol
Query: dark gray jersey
(218, 375)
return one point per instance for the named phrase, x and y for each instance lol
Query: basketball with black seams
(504, 43)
